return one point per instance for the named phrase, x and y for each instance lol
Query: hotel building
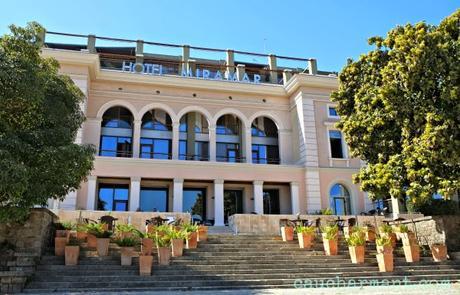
(236, 132)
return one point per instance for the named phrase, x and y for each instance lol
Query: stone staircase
(228, 262)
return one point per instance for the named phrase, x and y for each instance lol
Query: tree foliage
(39, 119)
(399, 110)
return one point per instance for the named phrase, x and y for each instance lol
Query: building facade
(209, 137)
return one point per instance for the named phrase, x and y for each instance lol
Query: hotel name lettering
(157, 69)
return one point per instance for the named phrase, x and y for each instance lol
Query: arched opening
(340, 200)
(229, 139)
(156, 135)
(194, 137)
(264, 141)
(117, 133)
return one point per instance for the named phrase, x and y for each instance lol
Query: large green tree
(39, 118)
(399, 108)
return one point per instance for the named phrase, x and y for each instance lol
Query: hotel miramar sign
(157, 70)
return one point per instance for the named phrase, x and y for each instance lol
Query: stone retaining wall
(270, 224)
(137, 219)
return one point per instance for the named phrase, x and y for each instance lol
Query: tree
(400, 112)
(39, 119)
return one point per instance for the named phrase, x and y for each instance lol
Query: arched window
(340, 200)
(194, 137)
(116, 133)
(264, 141)
(156, 135)
(228, 139)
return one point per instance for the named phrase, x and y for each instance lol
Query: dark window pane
(113, 197)
(161, 148)
(182, 150)
(157, 120)
(271, 201)
(117, 117)
(335, 140)
(332, 112)
(194, 202)
(152, 200)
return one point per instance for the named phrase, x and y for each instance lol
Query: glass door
(194, 202)
(271, 201)
(233, 203)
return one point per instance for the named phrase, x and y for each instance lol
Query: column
(240, 71)
(287, 75)
(295, 202)
(284, 146)
(91, 44)
(185, 57)
(247, 145)
(136, 138)
(258, 196)
(312, 66)
(91, 195)
(212, 143)
(178, 189)
(175, 141)
(219, 202)
(395, 207)
(134, 193)
(230, 63)
(273, 68)
(313, 189)
(140, 51)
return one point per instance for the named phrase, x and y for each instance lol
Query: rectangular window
(113, 197)
(265, 154)
(332, 112)
(201, 150)
(154, 200)
(335, 140)
(182, 150)
(115, 146)
(152, 148)
(228, 152)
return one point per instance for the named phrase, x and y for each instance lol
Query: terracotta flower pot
(177, 247)
(388, 249)
(164, 255)
(392, 237)
(385, 262)
(91, 240)
(439, 252)
(287, 233)
(412, 253)
(81, 236)
(103, 246)
(147, 246)
(356, 254)
(370, 234)
(63, 233)
(145, 265)
(305, 240)
(59, 246)
(408, 239)
(202, 233)
(126, 255)
(191, 242)
(330, 247)
(71, 255)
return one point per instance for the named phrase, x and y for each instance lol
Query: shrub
(305, 229)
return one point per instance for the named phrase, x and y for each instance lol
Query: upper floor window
(117, 117)
(332, 112)
(264, 127)
(336, 144)
(228, 125)
(157, 120)
(197, 120)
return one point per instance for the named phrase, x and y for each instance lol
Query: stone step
(154, 282)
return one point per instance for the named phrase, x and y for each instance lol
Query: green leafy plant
(356, 239)
(162, 240)
(383, 241)
(188, 227)
(178, 234)
(97, 229)
(402, 228)
(82, 228)
(125, 228)
(305, 229)
(358, 229)
(386, 228)
(126, 242)
(330, 232)
(327, 211)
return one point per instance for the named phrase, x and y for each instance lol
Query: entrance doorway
(194, 202)
(271, 201)
(233, 203)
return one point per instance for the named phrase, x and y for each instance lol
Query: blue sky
(330, 31)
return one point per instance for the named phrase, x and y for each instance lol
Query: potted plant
(410, 246)
(63, 230)
(369, 232)
(72, 252)
(125, 230)
(306, 236)
(287, 232)
(387, 230)
(356, 244)
(384, 254)
(146, 242)
(102, 241)
(126, 249)
(202, 233)
(145, 264)
(163, 243)
(59, 245)
(407, 237)
(330, 239)
(82, 232)
(192, 236)
(91, 229)
(177, 242)
(439, 252)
